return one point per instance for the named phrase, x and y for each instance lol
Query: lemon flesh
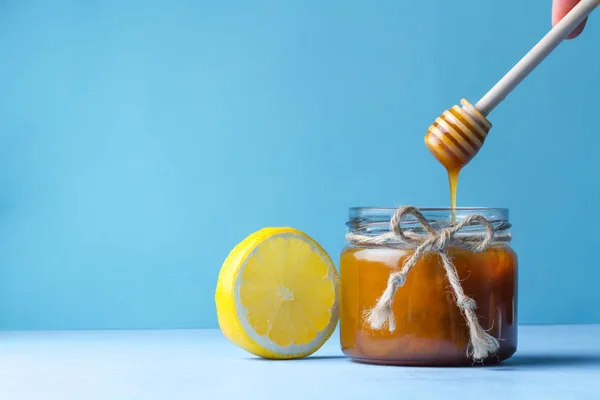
(278, 294)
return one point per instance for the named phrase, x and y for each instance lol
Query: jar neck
(376, 221)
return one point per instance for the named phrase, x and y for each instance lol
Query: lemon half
(278, 294)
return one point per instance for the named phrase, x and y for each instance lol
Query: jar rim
(372, 220)
(426, 209)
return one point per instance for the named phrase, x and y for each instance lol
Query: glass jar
(429, 327)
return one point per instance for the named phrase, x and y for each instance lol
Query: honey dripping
(454, 139)
(457, 135)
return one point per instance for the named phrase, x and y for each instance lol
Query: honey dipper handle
(536, 55)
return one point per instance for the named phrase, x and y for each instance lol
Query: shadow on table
(305, 359)
(545, 361)
(517, 362)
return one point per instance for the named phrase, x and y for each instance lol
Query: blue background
(141, 140)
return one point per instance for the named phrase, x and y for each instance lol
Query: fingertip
(560, 8)
(577, 30)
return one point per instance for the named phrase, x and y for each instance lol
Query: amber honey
(454, 139)
(430, 329)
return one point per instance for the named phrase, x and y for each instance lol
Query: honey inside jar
(430, 329)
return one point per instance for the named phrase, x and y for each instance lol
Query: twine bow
(437, 240)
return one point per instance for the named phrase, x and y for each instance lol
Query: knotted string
(437, 240)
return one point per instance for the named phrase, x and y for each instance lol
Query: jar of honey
(429, 327)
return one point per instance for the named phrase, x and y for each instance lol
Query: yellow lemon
(278, 294)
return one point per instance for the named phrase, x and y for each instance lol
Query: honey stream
(453, 181)
(454, 139)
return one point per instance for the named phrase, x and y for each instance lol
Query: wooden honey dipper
(459, 133)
